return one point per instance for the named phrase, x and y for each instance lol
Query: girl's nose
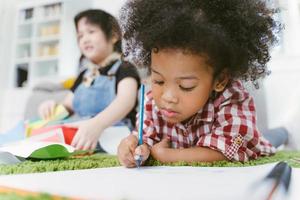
(84, 39)
(169, 96)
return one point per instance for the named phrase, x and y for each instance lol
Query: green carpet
(103, 160)
(14, 196)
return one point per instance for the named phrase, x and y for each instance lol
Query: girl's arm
(120, 106)
(90, 130)
(164, 154)
(68, 102)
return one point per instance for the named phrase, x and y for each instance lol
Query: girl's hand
(87, 135)
(158, 150)
(46, 109)
(128, 148)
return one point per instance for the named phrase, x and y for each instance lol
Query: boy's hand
(128, 148)
(143, 151)
(158, 150)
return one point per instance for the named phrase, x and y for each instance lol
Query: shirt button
(238, 141)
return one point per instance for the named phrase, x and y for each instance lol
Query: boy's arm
(163, 153)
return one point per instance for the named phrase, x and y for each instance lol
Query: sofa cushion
(39, 96)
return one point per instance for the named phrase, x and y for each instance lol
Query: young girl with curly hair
(198, 53)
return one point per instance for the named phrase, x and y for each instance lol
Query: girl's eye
(158, 82)
(186, 89)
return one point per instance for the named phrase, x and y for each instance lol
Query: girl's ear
(221, 82)
(114, 38)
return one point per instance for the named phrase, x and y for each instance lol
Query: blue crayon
(138, 158)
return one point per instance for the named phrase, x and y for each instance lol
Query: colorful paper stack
(60, 113)
(59, 133)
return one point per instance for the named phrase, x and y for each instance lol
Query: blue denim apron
(90, 100)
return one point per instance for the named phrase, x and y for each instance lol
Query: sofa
(22, 103)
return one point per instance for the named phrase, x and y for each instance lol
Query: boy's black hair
(106, 22)
(235, 35)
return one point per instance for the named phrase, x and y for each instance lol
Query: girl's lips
(88, 48)
(168, 113)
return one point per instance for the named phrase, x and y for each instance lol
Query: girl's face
(92, 41)
(181, 83)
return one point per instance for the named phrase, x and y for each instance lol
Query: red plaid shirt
(226, 124)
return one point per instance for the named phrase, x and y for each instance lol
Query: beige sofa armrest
(13, 107)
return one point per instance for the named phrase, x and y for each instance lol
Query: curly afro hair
(235, 35)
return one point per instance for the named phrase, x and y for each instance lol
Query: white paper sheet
(150, 182)
(26, 147)
(111, 138)
(7, 158)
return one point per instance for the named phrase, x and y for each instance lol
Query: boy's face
(181, 83)
(92, 41)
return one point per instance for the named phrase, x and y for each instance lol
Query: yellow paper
(60, 113)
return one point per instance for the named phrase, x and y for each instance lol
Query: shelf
(45, 39)
(23, 50)
(48, 39)
(23, 66)
(49, 19)
(22, 60)
(48, 29)
(44, 20)
(26, 16)
(46, 58)
(45, 68)
(25, 41)
(28, 22)
(25, 31)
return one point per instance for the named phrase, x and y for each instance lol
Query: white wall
(7, 17)
(282, 86)
(111, 6)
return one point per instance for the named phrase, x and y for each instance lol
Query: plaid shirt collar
(205, 114)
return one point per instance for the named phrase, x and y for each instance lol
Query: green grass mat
(14, 196)
(103, 160)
